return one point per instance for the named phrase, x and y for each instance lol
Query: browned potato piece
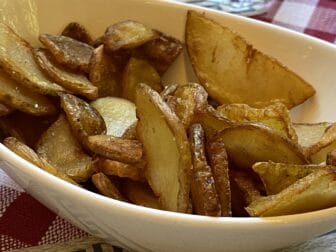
(5, 109)
(203, 192)
(161, 52)
(74, 82)
(313, 192)
(118, 113)
(17, 60)
(130, 132)
(67, 51)
(30, 155)
(191, 100)
(119, 149)
(103, 73)
(275, 116)
(139, 71)
(78, 32)
(318, 151)
(84, 120)
(278, 176)
(331, 158)
(123, 170)
(218, 160)
(168, 91)
(61, 149)
(248, 143)
(310, 133)
(106, 187)
(140, 194)
(19, 97)
(232, 71)
(161, 132)
(127, 35)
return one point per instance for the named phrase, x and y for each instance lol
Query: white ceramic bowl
(142, 229)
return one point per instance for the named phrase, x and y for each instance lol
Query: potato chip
(310, 133)
(78, 32)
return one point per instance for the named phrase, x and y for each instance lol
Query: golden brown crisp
(106, 187)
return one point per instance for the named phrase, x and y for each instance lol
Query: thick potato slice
(161, 132)
(275, 116)
(139, 71)
(140, 194)
(74, 82)
(310, 133)
(106, 187)
(30, 155)
(103, 73)
(78, 32)
(318, 151)
(119, 149)
(232, 71)
(313, 192)
(278, 176)
(161, 52)
(84, 120)
(119, 114)
(218, 161)
(127, 35)
(67, 51)
(248, 143)
(59, 147)
(21, 98)
(17, 60)
(204, 196)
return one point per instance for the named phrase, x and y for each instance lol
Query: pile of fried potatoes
(96, 113)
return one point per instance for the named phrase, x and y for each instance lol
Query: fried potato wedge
(127, 35)
(59, 147)
(191, 100)
(318, 151)
(331, 158)
(310, 133)
(119, 149)
(275, 116)
(248, 143)
(140, 194)
(119, 114)
(78, 32)
(5, 109)
(313, 192)
(161, 132)
(123, 170)
(19, 97)
(219, 164)
(103, 73)
(31, 156)
(233, 71)
(161, 52)
(67, 51)
(204, 196)
(278, 176)
(106, 187)
(74, 82)
(17, 60)
(139, 71)
(84, 120)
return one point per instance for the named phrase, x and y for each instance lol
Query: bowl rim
(166, 216)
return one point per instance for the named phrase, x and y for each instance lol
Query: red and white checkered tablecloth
(24, 222)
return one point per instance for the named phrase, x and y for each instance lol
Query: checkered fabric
(24, 222)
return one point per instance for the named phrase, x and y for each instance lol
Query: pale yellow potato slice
(278, 176)
(74, 82)
(161, 132)
(19, 97)
(139, 71)
(313, 192)
(232, 71)
(310, 133)
(17, 60)
(275, 116)
(119, 114)
(248, 143)
(59, 147)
